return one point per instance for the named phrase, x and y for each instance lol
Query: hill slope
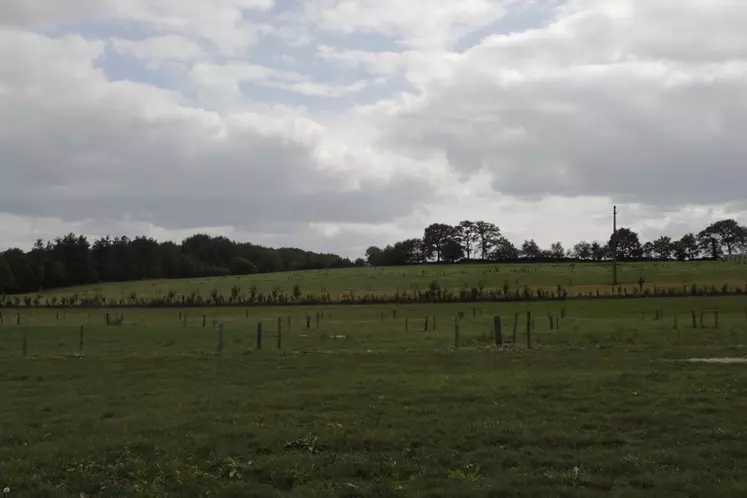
(584, 277)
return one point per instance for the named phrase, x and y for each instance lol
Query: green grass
(601, 407)
(584, 278)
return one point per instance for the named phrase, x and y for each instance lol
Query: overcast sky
(336, 124)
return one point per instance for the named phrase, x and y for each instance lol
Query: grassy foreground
(582, 277)
(361, 407)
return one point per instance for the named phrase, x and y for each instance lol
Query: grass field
(586, 277)
(604, 406)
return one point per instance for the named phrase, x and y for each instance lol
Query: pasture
(604, 405)
(386, 281)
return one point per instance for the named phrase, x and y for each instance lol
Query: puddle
(717, 360)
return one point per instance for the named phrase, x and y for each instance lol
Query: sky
(333, 125)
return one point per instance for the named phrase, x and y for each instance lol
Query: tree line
(73, 260)
(480, 240)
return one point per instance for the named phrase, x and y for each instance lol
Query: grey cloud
(649, 131)
(80, 147)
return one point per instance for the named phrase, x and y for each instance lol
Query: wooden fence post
(701, 319)
(456, 332)
(425, 328)
(529, 330)
(516, 327)
(695, 322)
(204, 320)
(107, 318)
(434, 323)
(280, 333)
(259, 335)
(18, 318)
(180, 316)
(80, 340)
(308, 322)
(394, 313)
(562, 313)
(552, 322)
(497, 330)
(246, 313)
(220, 338)
(557, 322)
(289, 323)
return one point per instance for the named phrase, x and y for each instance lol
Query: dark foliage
(72, 260)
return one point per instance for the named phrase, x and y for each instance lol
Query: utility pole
(614, 245)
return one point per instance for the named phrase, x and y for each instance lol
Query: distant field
(585, 277)
(604, 406)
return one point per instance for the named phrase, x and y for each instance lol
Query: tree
(467, 236)
(647, 250)
(488, 236)
(582, 250)
(723, 235)
(627, 244)
(7, 280)
(663, 247)
(688, 246)
(530, 250)
(435, 238)
(504, 250)
(373, 256)
(557, 251)
(242, 266)
(598, 251)
(453, 251)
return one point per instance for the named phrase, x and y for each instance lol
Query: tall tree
(598, 251)
(663, 247)
(647, 250)
(467, 236)
(453, 251)
(582, 250)
(688, 245)
(504, 250)
(488, 236)
(627, 244)
(530, 250)
(724, 235)
(373, 256)
(435, 238)
(557, 251)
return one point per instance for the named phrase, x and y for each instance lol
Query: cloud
(438, 23)
(335, 124)
(142, 153)
(158, 50)
(607, 100)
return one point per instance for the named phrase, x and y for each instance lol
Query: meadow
(605, 405)
(575, 278)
